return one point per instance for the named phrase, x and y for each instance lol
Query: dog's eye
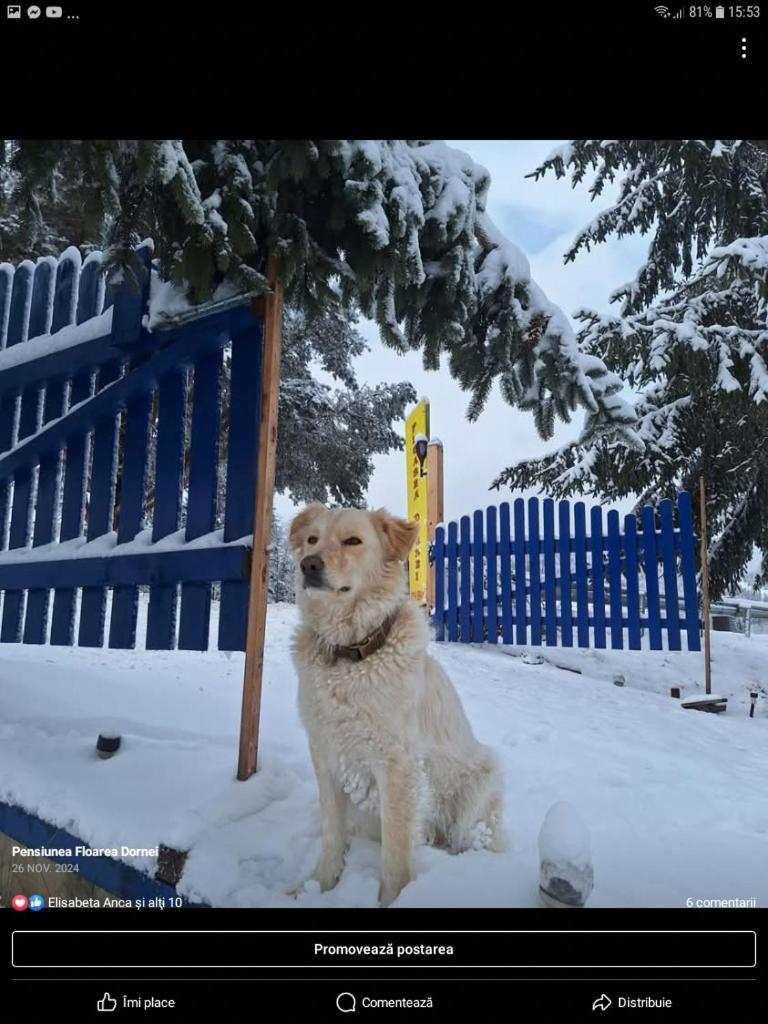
(311, 540)
(352, 540)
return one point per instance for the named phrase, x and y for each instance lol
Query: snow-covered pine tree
(691, 337)
(281, 584)
(327, 436)
(397, 227)
(46, 200)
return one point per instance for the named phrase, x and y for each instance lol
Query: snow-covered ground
(675, 801)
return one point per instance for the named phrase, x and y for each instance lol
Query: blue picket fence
(89, 398)
(512, 575)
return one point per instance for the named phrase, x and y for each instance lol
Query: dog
(394, 754)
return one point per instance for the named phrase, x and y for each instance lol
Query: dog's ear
(399, 534)
(304, 518)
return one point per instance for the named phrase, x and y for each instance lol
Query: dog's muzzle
(313, 571)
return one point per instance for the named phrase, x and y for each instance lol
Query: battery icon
(719, 12)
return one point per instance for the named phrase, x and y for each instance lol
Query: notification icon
(19, 902)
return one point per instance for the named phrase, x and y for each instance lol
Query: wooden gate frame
(271, 309)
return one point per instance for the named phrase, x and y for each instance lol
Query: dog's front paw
(390, 889)
(328, 872)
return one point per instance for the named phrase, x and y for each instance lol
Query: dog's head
(342, 552)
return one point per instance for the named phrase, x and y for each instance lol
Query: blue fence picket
(598, 579)
(40, 308)
(534, 568)
(453, 582)
(244, 404)
(550, 576)
(110, 289)
(580, 568)
(13, 604)
(36, 615)
(65, 290)
(520, 582)
(566, 610)
(650, 565)
(465, 580)
(6, 287)
(669, 559)
(163, 599)
(614, 580)
(477, 577)
(633, 582)
(438, 613)
(201, 511)
(100, 510)
(688, 570)
(42, 297)
(90, 295)
(491, 564)
(18, 326)
(73, 504)
(7, 421)
(129, 303)
(505, 572)
(63, 278)
(76, 448)
(125, 599)
(21, 297)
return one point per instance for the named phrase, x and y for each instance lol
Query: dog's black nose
(312, 565)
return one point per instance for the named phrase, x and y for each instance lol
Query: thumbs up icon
(106, 1004)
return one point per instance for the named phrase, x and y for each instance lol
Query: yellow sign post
(417, 429)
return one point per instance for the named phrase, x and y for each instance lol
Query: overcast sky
(542, 218)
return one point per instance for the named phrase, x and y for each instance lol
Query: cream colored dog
(394, 754)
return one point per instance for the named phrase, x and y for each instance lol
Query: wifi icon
(663, 12)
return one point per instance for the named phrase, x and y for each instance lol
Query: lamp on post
(420, 443)
(752, 702)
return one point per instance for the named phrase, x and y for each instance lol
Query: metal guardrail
(747, 612)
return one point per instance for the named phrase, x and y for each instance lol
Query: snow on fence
(499, 576)
(89, 398)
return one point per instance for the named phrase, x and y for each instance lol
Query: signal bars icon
(664, 12)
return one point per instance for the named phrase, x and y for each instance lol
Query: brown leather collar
(368, 646)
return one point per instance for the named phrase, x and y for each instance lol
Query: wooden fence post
(262, 526)
(705, 584)
(435, 510)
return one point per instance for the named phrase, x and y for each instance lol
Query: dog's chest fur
(358, 714)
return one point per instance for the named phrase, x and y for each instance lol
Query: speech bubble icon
(346, 1002)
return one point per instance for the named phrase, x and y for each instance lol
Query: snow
(673, 800)
(564, 835)
(105, 546)
(166, 300)
(752, 252)
(46, 344)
